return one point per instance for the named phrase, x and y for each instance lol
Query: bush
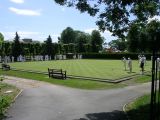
(3, 105)
(114, 55)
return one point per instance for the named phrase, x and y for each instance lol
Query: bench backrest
(55, 70)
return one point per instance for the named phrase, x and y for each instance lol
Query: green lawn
(140, 108)
(74, 83)
(108, 69)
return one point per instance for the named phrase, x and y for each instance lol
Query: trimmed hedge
(133, 56)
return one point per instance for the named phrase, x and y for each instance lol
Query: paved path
(44, 101)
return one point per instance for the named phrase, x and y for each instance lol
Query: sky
(37, 19)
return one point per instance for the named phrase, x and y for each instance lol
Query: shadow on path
(114, 115)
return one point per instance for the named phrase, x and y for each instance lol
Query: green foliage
(1, 45)
(74, 83)
(144, 38)
(116, 56)
(6, 98)
(118, 44)
(3, 105)
(133, 37)
(74, 41)
(16, 49)
(49, 46)
(153, 34)
(96, 41)
(115, 13)
(1, 38)
(67, 36)
(139, 109)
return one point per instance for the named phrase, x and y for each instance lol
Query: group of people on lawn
(128, 63)
(142, 62)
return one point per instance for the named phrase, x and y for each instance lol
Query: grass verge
(74, 83)
(139, 109)
(6, 98)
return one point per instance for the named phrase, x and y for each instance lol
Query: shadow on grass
(141, 113)
(114, 115)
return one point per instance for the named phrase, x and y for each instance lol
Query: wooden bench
(5, 67)
(57, 73)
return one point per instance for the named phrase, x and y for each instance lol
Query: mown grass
(6, 98)
(74, 83)
(143, 79)
(139, 109)
(108, 69)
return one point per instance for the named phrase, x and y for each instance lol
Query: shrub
(3, 105)
(114, 55)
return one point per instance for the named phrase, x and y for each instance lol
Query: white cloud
(106, 34)
(17, 1)
(25, 12)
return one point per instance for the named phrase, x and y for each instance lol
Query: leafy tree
(82, 39)
(81, 34)
(144, 38)
(72, 48)
(1, 38)
(153, 34)
(119, 44)
(49, 46)
(133, 38)
(38, 48)
(1, 41)
(7, 48)
(16, 49)
(96, 41)
(67, 36)
(114, 15)
(143, 44)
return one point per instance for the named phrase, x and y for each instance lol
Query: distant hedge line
(118, 56)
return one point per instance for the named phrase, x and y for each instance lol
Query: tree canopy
(17, 49)
(144, 38)
(49, 48)
(114, 15)
(1, 38)
(67, 36)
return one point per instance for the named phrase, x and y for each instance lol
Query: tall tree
(82, 39)
(1, 41)
(1, 38)
(144, 38)
(114, 15)
(153, 34)
(49, 46)
(67, 36)
(133, 38)
(118, 44)
(96, 41)
(16, 49)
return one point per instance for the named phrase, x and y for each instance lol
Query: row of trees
(70, 41)
(82, 39)
(126, 19)
(140, 38)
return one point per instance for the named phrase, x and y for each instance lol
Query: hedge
(133, 56)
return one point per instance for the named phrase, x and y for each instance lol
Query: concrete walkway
(44, 101)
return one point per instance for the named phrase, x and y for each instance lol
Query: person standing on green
(130, 64)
